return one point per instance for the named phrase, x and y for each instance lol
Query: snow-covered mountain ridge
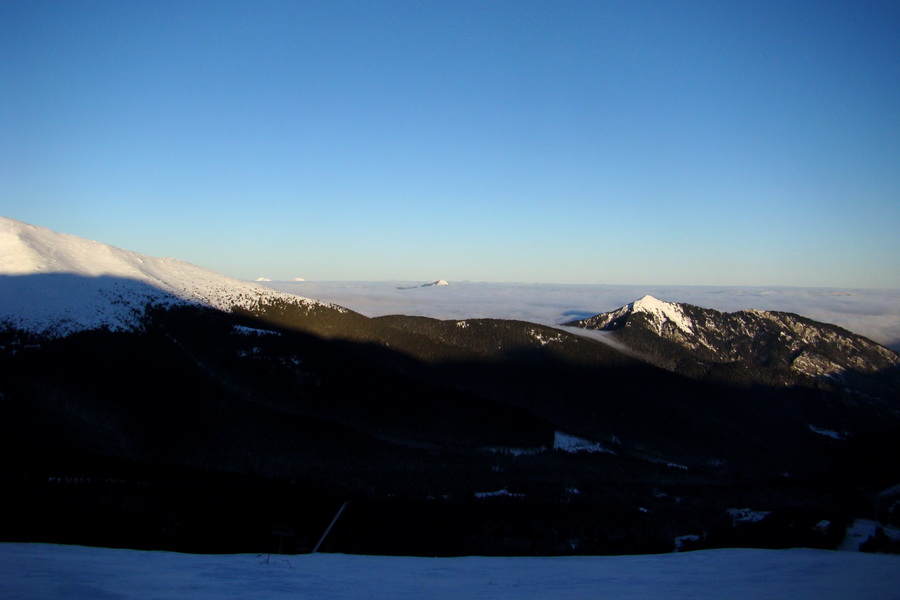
(59, 283)
(760, 338)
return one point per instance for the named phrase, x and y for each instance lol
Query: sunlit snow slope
(658, 311)
(58, 283)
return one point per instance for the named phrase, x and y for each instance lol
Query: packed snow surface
(51, 572)
(58, 283)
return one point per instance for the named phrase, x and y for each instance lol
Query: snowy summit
(662, 312)
(658, 311)
(58, 283)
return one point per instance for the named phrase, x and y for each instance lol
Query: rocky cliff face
(765, 344)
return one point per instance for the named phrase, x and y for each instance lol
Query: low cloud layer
(872, 313)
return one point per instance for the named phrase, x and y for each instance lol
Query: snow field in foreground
(32, 571)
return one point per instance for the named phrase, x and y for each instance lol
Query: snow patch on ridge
(831, 433)
(747, 515)
(498, 494)
(572, 444)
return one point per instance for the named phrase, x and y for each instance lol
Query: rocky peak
(673, 334)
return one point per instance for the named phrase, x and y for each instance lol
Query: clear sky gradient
(712, 143)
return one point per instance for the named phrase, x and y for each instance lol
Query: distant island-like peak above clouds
(438, 283)
(58, 283)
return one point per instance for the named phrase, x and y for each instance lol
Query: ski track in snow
(54, 572)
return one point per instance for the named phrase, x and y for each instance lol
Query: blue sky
(709, 143)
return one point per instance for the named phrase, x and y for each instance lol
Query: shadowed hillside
(244, 431)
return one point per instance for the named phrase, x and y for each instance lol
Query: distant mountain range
(151, 403)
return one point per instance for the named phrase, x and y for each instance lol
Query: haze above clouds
(710, 143)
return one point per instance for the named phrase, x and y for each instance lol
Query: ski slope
(49, 572)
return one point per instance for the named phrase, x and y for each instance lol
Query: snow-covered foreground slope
(59, 283)
(32, 571)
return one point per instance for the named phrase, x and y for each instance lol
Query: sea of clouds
(872, 313)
